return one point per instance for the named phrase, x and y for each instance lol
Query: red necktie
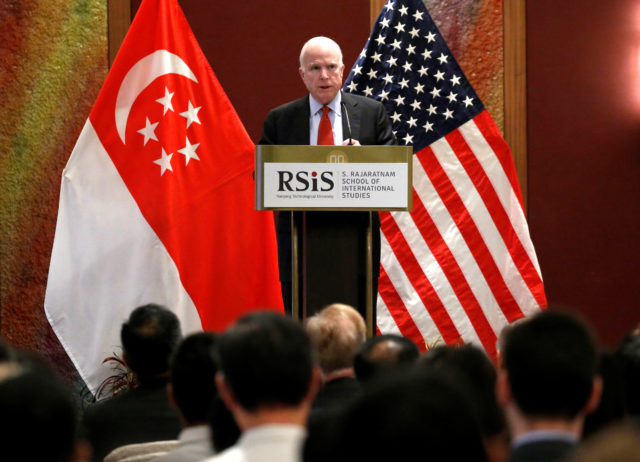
(325, 133)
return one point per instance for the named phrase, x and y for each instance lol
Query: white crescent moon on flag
(145, 71)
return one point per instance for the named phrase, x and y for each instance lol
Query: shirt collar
(334, 105)
(544, 435)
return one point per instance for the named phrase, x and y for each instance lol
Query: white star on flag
(166, 101)
(164, 162)
(148, 131)
(189, 151)
(191, 114)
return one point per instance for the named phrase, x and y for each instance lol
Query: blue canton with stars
(408, 67)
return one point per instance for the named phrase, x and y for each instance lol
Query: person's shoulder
(232, 454)
(295, 104)
(361, 100)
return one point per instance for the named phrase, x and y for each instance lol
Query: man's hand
(349, 142)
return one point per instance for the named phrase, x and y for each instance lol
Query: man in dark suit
(142, 414)
(547, 385)
(325, 116)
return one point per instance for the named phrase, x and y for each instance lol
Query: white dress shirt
(266, 443)
(194, 444)
(335, 116)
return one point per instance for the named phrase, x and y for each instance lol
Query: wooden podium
(329, 197)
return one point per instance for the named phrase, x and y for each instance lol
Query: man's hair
(551, 362)
(148, 338)
(414, 413)
(474, 372)
(193, 370)
(325, 41)
(384, 354)
(266, 361)
(39, 415)
(336, 333)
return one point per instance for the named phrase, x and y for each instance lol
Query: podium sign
(371, 178)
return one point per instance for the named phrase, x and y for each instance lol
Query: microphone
(346, 114)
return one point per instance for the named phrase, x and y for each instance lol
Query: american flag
(461, 265)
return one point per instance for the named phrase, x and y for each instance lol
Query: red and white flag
(157, 201)
(461, 265)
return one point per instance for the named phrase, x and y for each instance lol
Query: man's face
(322, 72)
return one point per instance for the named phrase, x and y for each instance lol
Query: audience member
(611, 408)
(336, 334)
(382, 355)
(547, 384)
(39, 416)
(471, 369)
(628, 354)
(142, 414)
(413, 415)
(224, 429)
(617, 443)
(268, 382)
(192, 390)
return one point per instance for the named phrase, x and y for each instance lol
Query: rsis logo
(305, 181)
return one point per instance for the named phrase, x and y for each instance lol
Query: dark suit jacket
(140, 415)
(541, 451)
(336, 394)
(289, 124)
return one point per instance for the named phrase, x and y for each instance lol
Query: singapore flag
(156, 201)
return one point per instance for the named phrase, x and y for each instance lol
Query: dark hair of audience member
(383, 354)
(224, 429)
(149, 337)
(39, 415)
(414, 415)
(280, 366)
(472, 369)
(628, 354)
(193, 370)
(551, 361)
(611, 408)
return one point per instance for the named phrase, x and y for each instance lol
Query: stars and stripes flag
(461, 265)
(157, 202)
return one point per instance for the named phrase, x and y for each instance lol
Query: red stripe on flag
(469, 231)
(419, 280)
(502, 221)
(454, 274)
(398, 311)
(499, 146)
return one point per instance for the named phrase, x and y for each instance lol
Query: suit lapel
(353, 110)
(300, 122)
